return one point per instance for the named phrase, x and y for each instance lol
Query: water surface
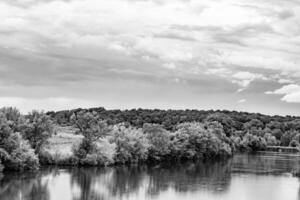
(265, 176)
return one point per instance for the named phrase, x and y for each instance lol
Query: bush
(270, 139)
(197, 141)
(132, 145)
(253, 143)
(16, 153)
(22, 157)
(56, 158)
(287, 137)
(159, 141)
(294, 143)
(101, 152)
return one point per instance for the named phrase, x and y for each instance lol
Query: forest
(111, 137)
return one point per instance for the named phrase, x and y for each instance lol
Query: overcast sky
(208, 54)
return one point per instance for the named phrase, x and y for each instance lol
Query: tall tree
(38, 128)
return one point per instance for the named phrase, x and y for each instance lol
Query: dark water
(266, 176)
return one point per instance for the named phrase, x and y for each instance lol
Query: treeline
(135, 136)
(275, 130)
(105, 144)
(23, 138)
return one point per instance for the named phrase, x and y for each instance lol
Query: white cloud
(43, 42)
(245, 78)
(285, 81)
(291, 93)
(242, 101)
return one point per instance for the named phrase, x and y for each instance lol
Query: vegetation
(235, 124)
(37, 129)
(133, 136)
(92, 150)
(15, 152)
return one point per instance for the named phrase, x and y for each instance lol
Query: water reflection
(124, 181)
(265, 175)
(266, 163)
(24, 186)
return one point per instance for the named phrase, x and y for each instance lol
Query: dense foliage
(37, 129)
(196, 140)
(275, 130)
(20, 137)
(134, 136)
(15, 152)
(191, 141)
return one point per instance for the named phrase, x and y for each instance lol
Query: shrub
(56, 158)
(132, 145)
(294, 143)
(295, 140)
(270, 139)
(287, 137)
(197, 140)
(253, 143)
(159, 141)
(22, 157)
(101, 152)
(16, 153)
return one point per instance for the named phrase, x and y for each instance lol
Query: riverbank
(125, 145)
(267, 174)
(28, 141)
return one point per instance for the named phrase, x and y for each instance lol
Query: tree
(15, 152)
(159, 141)
(90, 125)
(270, 139)
(21, 156)
(131, 145)
(253, 143)
(198, 140)
(287, 137)
(13, 118)
(226, 121)
(92, 128)
(38, 128)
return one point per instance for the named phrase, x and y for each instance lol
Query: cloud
(245, 78)
(242, 101)
(175, 36)
(291, 93)
(169, 65)
(284, 81)
(286, 14)
(64, 44)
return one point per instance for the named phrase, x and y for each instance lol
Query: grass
(62, 142)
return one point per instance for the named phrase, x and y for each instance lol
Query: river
(263, 176)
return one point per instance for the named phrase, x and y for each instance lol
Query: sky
(169, 54)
